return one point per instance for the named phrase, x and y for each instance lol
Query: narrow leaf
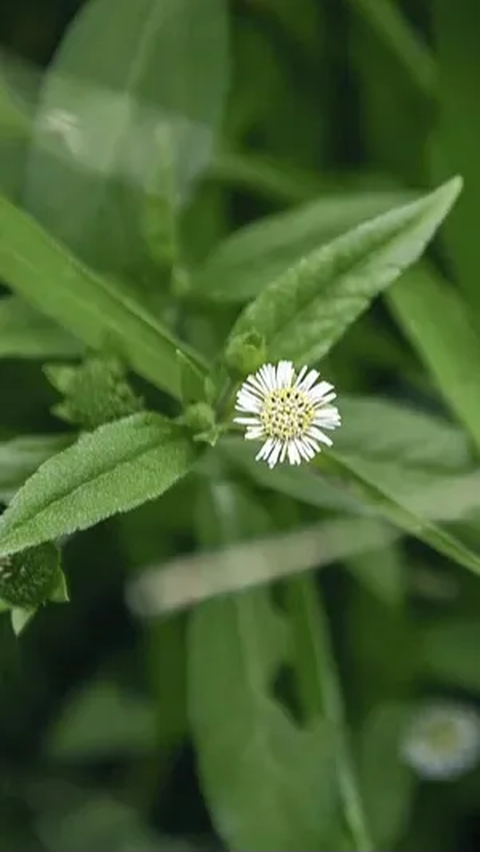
(256, 255)
(114, 469)
(96, 311)
(445, 339)
(308, 308)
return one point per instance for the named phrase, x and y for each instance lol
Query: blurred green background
(338, 99)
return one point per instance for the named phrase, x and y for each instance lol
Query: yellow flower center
(287, 413)
(443, 736)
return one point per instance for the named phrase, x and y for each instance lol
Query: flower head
(287, 411)
(443, 740)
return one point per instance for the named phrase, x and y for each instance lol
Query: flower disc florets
(287, 411)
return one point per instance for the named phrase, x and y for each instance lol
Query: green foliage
(30, 577)
(141, 128)
(113, 469)
(305, 311)
(254, 256)
(99, 312)
(177, 208)
(25, 333)
(239, 723)
(95, 393)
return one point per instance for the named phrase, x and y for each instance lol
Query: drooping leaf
(26, 333)
(94, 309)
(253, 257)
(307, 309)
(129, 109)
(115, 468)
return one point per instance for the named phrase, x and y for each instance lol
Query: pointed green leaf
(114, 469)
(445, 339)
(307, 309)
(20, 619)
(98, 312)
(254, 256)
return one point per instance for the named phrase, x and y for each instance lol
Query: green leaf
(94, 309)
(376, 488)
(456, 32)
(283, 793)
(102, 720)
(22, 456)
(96, 392)
(114, 469)
(388, 784)
(20, 619)
(13, 119)
(26, 333)
(308, 308)
(129, 109)
(426, 460)
(449, 653)
(406, 467)
(445, 339)
(256, 255)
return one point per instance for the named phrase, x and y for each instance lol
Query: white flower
(287, 411)
(443, 740)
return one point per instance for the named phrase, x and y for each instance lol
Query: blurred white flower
(442, 741)
(287, 411)
(64, 125)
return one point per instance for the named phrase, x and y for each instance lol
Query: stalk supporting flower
(288, 411)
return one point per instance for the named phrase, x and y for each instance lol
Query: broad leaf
(256, 255)
(114, 469)
(26, 333)
(283, 792)
(129, 109)
(95, 310)
(409, 468)
(306, 310)
(445, 339)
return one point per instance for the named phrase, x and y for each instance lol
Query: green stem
(320, 693)
(400, 39)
